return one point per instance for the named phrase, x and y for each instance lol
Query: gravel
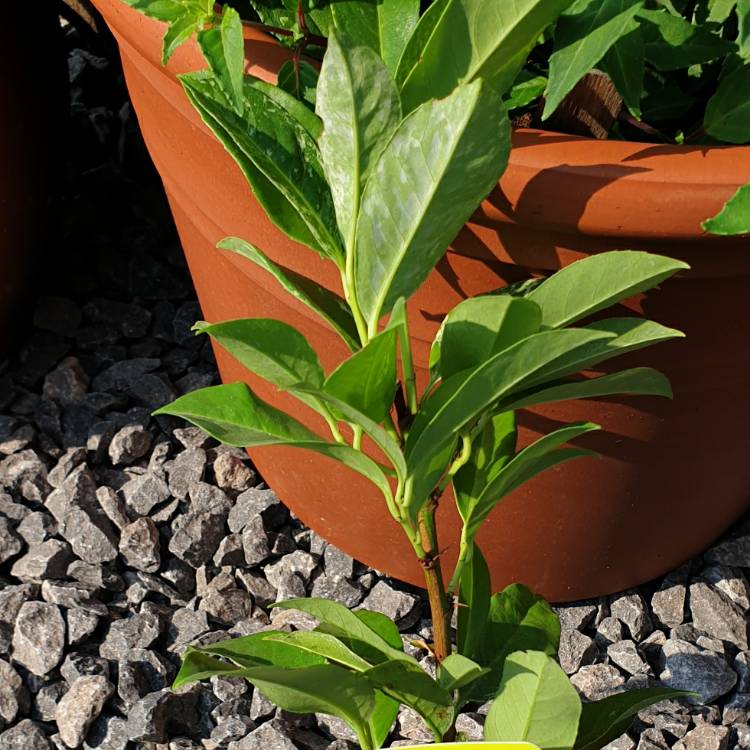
(126, 538)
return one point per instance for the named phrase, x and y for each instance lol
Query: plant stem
(463, 557)
(439, 609)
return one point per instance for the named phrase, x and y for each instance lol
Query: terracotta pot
(673, 475)
(31, 87)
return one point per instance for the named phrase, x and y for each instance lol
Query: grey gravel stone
(652, 739)
(112, 506)
(668, 603)
(625, 655)
(73, 596)
(630, 609)
(609, 630)
(26, 735)
(576, 616)
(705, 737)
(67, 383)
(186, 469)
(13, 597)
(139, 545)
(47, 699)
(160, 715)
(96, 576)
(79, 664)
(688, 667)
(37, 527)
(733, 552)
(716, 614)
(129, 444)
(575, 650)
(39, 637)
(411, 726)
(729, 581)
(227, 607)
(70, 460)
(81, 625)
(736, 710)
(231, 729)
(401, 607)
(141, 672)
(10, 542)
(231, 471)
(137, 631)
(337, 563)
(49, 559)
(255, 542)
(597, 681)
(265, 737)
(107, 733)
(14, 698)
(257, 502)
(79, 707)
(230, 552)
(337, 589)
(742, 668)
(144, 492)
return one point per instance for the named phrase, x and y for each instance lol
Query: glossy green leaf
(491, 450)
(235, 416)
(367, 380)
(517, 620)
(299, 111)
(412, 686)
(343, 619)
(360, 108)
(302, 84)
(536, 703)
(734, 217)
(260, 649)
(525, 89)
(638, 381)
(479, 327)
(399, 320)
(673, 43)
(535, 458)
(327, 646)
(223, 46)
(165, 10)
(329, 306)
(468, 40)
(599, 281)
(727, 115)
(720, 10)
(625, 63)
(326, 688)
(383, 626)
(470, 395)
(605, 720)
(198, 666)
(270, 348)
(268, 141)
(583, 35)
(441, 162)
(474, 598)
(456, 671)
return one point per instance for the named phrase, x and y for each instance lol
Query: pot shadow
(659, 149)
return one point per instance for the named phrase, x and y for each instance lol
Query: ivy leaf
(359, 105)
(223, 46)
(583, 35)
(673, 43)
(367, 380)
(441, 162)
(727, 115)
(734, 217)
(460, 41)
(234, 415)
(329, 306)
(536, 703)
(279, 158)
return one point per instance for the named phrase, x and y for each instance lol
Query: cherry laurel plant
(379, 185)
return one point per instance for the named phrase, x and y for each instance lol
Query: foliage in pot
(378, 183)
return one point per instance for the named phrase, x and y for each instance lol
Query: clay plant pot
(673, 474)
(32, 92)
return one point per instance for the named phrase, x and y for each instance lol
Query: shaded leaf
(734, 217)
(597, 282)
(526, 89)
(199, 666)
(583, 35)
(441, 162)
(727, 116)
(474, 598)
(625, 63)
(332, 308)
(469, 40)
(536, 703)
(456, 671)
(360, 108)
(303, 85)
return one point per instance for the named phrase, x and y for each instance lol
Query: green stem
(331, 422)
(357, 441)
(464, 556)
(407, 362)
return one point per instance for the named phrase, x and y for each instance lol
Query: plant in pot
(562, 198)
(379, 194)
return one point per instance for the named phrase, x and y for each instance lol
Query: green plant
(378, 181)
(734, 218)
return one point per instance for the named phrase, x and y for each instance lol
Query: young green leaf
(597, 282)
(583, 35)
(734, 217)
(270, 348)
(468, 40)
(223, 46)
(329, 306)
(268, 141)
(474, 600)
(479, 327)
(625, 64)
(234, 415)
(326, 688)
(535, 458)
(638, 381)
(399, 321)
(346, 621)
(360, 108)
(536, 703)
(456, 671)
(727, 115)
(605, 720)
(260, 649)
(383, 626)
(440, 163)
(526, 89)
(298, 111)
(673, 43)
(325, 645)
(301, 84)
(198, 666)
(367, 380)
